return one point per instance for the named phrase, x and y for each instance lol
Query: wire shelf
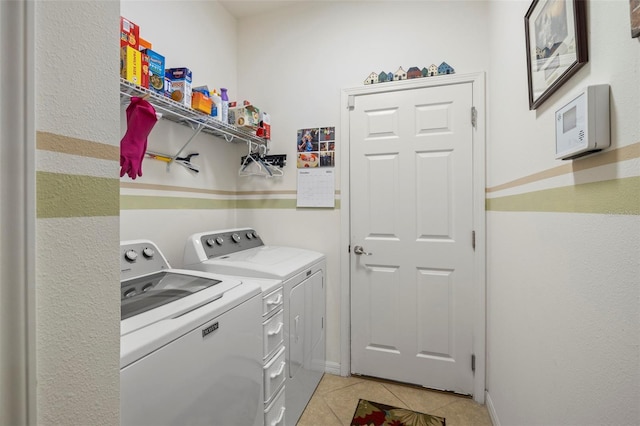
(178, 113)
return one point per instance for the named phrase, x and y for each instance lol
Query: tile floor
(336, 398)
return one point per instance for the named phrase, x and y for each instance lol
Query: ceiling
(244, 8)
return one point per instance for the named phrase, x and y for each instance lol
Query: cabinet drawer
(274, 375)
(272, 302)
(274, 414)
(273, 333)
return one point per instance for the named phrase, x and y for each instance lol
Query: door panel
(411, 201)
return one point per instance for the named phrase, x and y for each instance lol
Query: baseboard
(332, 367)
(491, 409)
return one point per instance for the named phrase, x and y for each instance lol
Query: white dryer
(241, 252)
(191, 344)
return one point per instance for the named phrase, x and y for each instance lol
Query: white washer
(241, 252)
(190, 344)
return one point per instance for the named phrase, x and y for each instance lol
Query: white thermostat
(582, 125)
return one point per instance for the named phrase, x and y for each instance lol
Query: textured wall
(313, 51)
(78, 303)
(563, 238)
(167, 206)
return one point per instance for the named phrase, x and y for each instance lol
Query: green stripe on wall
(142, 202)
(617, 196)
(64, 195)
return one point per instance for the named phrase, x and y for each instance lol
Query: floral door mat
(375, 414)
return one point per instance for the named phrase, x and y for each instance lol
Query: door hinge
(473, 239)
(351, 102)
(474, 116)
(473, 363)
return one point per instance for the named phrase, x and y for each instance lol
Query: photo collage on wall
(316, 147)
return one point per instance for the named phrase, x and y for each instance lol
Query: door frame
(348, 97)
(18, 217)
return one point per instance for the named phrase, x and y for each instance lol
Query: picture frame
(556, 43)
(634, 6)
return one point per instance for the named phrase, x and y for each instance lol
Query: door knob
(360, 251)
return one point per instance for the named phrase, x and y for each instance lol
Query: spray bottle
(216, 110)
(225, 105)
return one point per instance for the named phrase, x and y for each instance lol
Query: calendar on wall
(316, 187)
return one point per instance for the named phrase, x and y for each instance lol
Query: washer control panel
(224, 243)
(140, 258)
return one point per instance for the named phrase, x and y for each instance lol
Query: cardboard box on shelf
(265, 124)
(245, 116)
(156, 71)
(131, 64)
(144, 73)
(129, 33)
(201, 102)
(180, 89)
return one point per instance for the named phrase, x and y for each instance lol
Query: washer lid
(264, 262)
(139, 295)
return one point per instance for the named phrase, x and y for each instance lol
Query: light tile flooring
(336, 398)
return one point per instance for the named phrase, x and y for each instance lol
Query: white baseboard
(332, 367)
(491, 409)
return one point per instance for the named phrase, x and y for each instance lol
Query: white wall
(562, 303)
(202, 37)
(294, 62)
(77, 291)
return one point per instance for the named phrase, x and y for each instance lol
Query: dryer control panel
(227, 242)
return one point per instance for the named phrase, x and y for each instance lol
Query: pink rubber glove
(141, 117)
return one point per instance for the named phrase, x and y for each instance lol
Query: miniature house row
(414, 72)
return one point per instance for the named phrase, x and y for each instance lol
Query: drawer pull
(277, 300)
(276, 331)
(279, 419)
(280, 370)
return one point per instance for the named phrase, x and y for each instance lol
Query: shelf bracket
(197, 130)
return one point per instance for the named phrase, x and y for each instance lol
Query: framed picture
(556, 38)
(635, 18)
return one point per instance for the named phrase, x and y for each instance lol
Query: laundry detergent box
(246, 115)
(131, 64)
(156, 71)
(144, 69)
(129, 33)
(180, 90)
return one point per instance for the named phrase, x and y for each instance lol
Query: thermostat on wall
(582, 125)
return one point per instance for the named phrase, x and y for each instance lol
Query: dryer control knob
(235, 238)
(210, 242)
(148, 252)
(249, 235)
(219, 241)
(131, 255)
(255, 234)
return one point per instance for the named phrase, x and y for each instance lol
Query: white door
(411, 199)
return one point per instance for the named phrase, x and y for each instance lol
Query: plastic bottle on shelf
(224, 97)
(216, 110)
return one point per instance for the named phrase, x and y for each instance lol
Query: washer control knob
(148, 252)
(235, 238)
(210, 242)
(219, 241)
(131, 255)
(130, 293)
(255, 234)
(249, 235)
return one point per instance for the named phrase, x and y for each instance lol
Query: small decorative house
(433, 70)
(382, 77)
(445, 68)
(424, 72)
(401, 74)
(414, 72)
(372, 79)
